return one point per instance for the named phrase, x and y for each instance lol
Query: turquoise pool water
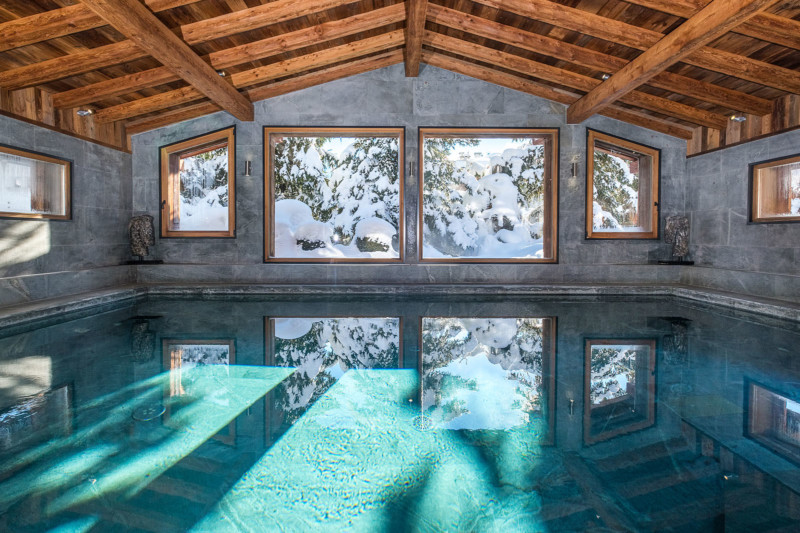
(403, 414)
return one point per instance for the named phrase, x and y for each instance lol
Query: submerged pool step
(642, 455)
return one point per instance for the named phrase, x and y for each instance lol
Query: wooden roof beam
(236, 55)
(254, 18)
(415, 29)
(518, 83)
(571, 79)
(615, 31)
(711, 22)
(64, 21)
(764, 26)
(585, 57)
(256, 76)
(135, 21)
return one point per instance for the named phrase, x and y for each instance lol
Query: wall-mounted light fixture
(605, 76)
(248, 166)
(575, 159)
(222, 73)
(737, 117)
(84, 112)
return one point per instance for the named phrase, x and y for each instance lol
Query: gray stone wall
(387, 98)
(729, 252)
(42, 258)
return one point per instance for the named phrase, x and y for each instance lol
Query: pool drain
(146, 413)
(422, 423)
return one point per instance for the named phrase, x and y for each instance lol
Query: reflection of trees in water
(513, 344)
(331, 347)
(608, 365)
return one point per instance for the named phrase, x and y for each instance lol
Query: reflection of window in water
(484, 373)
(774, 420)
(182, 356)
(613, 372)
(323, 349)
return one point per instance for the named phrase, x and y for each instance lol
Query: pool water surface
(401, 414)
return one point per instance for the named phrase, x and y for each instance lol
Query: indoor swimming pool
(401, 414)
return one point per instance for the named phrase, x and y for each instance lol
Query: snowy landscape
(336, 198)
(483, 373)
(204, 192)
(483, 198)
(615, 198)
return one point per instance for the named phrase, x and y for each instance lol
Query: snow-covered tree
(365, 184)
(299, 173)
(613, 372)
(616, 192)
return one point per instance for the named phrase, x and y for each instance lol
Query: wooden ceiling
(681, 67)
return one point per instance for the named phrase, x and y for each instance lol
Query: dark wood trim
(755, 191)
(65, 132)
(751, 139)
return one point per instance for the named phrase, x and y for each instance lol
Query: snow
(16, 176)
(292, 213)
(314, 232)
(203, 204)
(375, 229)
(292, 328)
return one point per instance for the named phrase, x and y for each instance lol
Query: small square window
(773, 420)
(197, 186)
(34, 185)
(622, 181)
(775, 190)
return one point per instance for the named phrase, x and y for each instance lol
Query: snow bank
(375, 229)
(292, 213)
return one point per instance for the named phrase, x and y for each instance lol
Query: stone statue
(142, 235)
(677, 234)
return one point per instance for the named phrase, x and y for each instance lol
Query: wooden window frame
(269, 187)
(170, 189)
(756, 193)
(653, 198)
(550, 238)
(67, 183)
(636, 425)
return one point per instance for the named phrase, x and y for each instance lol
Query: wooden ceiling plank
(616, 31)
(517, 83)
(254, 18)
(61, 22)
(571, 79)
(415, 29)
(70, 65)
(255, 76)
(136, 22)
(236, 55)
(708, 92)
(764, 26)
(711, 22)
(352, 50)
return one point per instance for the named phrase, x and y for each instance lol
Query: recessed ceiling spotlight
(605, 76)
(222, 73)
(738, 118)
(84, 112)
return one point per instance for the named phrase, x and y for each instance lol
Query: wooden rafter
(615, 31)
(571, 79)
(256, 76)
(254, 18)
(415, 28)
(135, 21)
(518, 83)
(585, 57)
(64, 21)
(764, 26)
(236, 55)
(711, 22)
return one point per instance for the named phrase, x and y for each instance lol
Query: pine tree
(365, 184)
(299, 173)
(615, 191)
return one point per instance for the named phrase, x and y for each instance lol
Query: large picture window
(33, 185)
(488, 195)
(334, 194)
(197, 186)
(622, 179)
(775, 190)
